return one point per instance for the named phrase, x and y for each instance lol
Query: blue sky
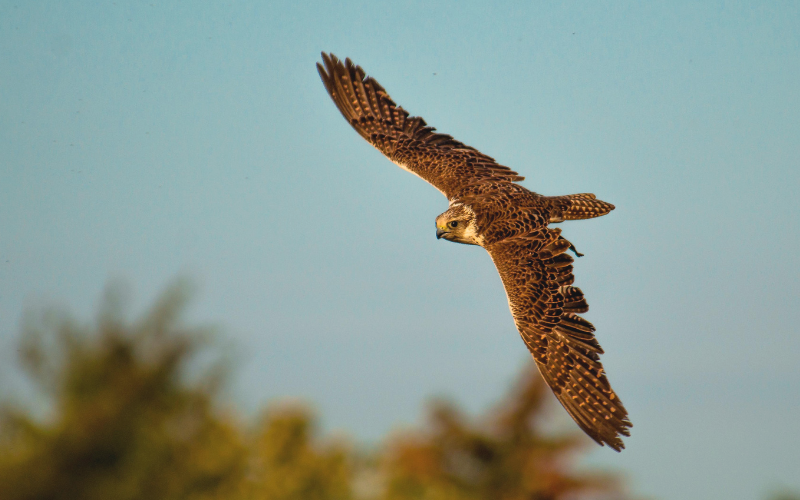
(143, 141)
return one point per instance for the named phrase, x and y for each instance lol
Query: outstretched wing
(407, 141)
(537, 276)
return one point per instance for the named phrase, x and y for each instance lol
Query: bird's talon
(575, 250)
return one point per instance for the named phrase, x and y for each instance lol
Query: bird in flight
(489, 209)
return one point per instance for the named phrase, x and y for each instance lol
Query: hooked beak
(440, 233)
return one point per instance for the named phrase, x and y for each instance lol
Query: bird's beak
(440, 233)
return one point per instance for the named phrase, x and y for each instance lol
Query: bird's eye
(453, 224)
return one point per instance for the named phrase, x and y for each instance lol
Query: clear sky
(142, 141)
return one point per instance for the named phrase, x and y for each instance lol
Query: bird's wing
(406, 140)
(537, 276)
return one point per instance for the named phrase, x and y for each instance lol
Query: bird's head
(458, 224)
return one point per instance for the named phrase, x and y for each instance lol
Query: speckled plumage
(489, 209)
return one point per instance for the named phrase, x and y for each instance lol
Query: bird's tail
(578, 206)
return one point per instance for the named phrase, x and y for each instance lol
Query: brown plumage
(489, 209)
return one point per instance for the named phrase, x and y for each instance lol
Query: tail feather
(578, 206)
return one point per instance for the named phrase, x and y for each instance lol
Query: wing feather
(408, 141)
(536, 274)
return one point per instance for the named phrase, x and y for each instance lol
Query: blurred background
(141, 141)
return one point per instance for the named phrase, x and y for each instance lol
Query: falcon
(489, 209)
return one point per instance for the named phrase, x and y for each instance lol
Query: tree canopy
(134, 415)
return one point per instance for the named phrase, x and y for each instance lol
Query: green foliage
(289, 464)
(126, 422)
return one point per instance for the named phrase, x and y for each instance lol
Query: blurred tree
(127, 423)
(289, 464)
(505, 456)
(124, 424)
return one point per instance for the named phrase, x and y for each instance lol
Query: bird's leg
(575, 250)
